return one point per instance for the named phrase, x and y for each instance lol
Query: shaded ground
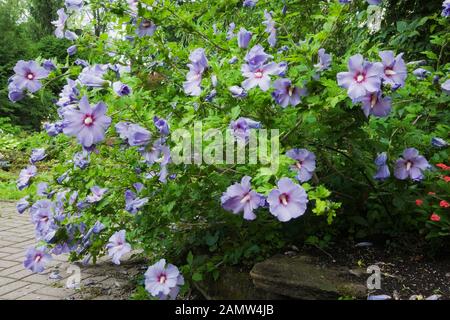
(402, 274)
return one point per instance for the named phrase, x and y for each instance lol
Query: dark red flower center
(259, 74)
(30, 76)
(88, 120)
(162, 278)
(284, 199)
(38, 258)
(360, 77)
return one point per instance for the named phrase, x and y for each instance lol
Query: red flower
(444, 204)
(431, 193)
(419, 202)
(443, 166)
(447, 178)
(435, 217)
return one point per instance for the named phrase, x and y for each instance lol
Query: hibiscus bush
(360, 103)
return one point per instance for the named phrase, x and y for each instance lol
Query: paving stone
(7, 288)
(6, 263)
(35, 296)
(13, 269)
(16, 294)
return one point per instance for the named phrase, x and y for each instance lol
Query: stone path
(103, 281)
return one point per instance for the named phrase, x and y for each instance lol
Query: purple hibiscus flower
(421, 73)
(92, 76)
(97, 194)
(48, 65)
(362, 77)
(42, 215)
(244, 37)
(36, 259)
(230, 31)
(121, 89)
(163, 281)
(411, 165)
(25, 177)
(250, 3)
(258, 77)
(14, 93)
(118, 246)
(132, 203)
(198, 64)
(270, 28)
(305, 163)
(375, 104)
(53, 129)
(132, 133)
(288, 201)
(256, 57)
(87, 124)
(286, 94)
(156, 153)
(146, 28)
(395, 71)
(382, 168)
(446, 8)
(28, 75)
(69, 95)
(242, 126)
(37, 155)
(72, 50)
(161, 125)
(60, 24)
(240, 197)
(74, 4)
(324, 61)
(22, 205)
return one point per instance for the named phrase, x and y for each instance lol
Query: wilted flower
(53, 129)
(242, 126)
(69, 95)
(395, 71)
(25, 176)
(121, 89)
(97, 194)
(87, 124)
(421, 73)
(446, 8)
(60, 24)
(48, 65)
(161, 125)
(81, 160)
(241, 198)
(270, 28)
(74, 4)
(363, 77)
(37, 155)
(383, 169)
(230, 31)
(132, 203)
(288, 201)
(249, 3)
(146, 28)
(163, 281)
(28, 75)
(375, 104)
(14, 93)
(411, 165)
(72, 50)
(286, 94)
(439, 142)
(324, 61)
(244, 38)
(22, 205)
(93, 76)
(305, 163)
(446, 86)
(118, 246)
(36, 259)
(156, 153)
(237, 92)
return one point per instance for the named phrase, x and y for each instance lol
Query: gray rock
(302, 277)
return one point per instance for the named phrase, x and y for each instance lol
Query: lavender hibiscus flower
(118, 246)
(250, 3)
(363, 77)
(439, 142)
(161, 125)
(446, 8)
(60, 24)
(198, 64)
(395, 71)
(156, 153)
(37, 155)
(42, 215)
(22, 205)
(411, 165)
(270, 28)
(237, 92)
(14, 93)
(25, 176)
(256, 57)
(72, 50)
(36, 259)
(242, 126)
(146, 28)
(163, 281)
(74, 4)
(286, 94)
(132, 203)
(324, 61)
(258, 77)
(288, 201)
(446, 86)
(382, 168)
(305, 163)
(421, 73)
(375, 104)
(87, 124)
(240, 197)
(69, 95)
(133, 134)
(28, 75)
(93, 76)
(244, 37)
(97, 194)
(121, 89)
